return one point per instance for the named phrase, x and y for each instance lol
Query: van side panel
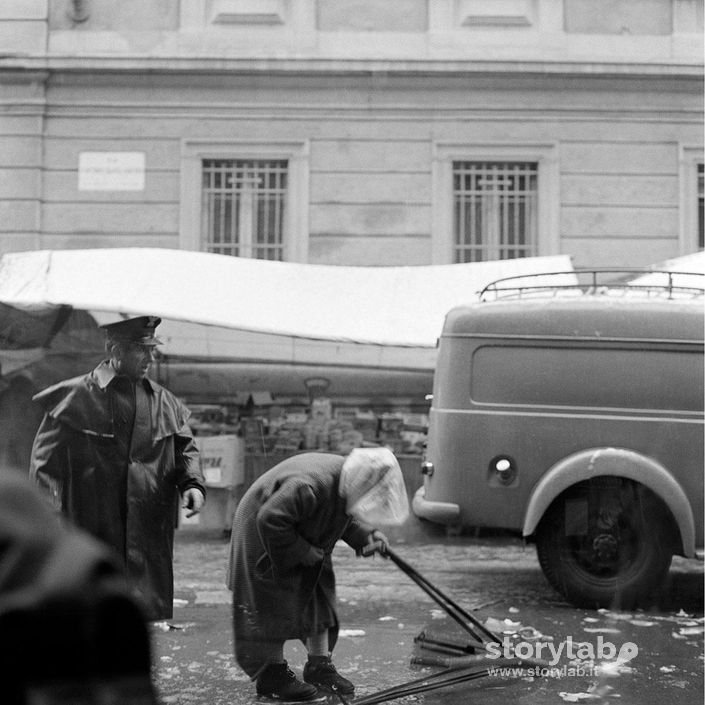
(463, 472)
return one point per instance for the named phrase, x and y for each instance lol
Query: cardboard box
(222, 460)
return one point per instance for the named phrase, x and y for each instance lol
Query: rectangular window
(495, 213)
(588, 377)
(243, 207)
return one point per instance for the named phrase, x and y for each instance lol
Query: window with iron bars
(244, 202)
(495, 213)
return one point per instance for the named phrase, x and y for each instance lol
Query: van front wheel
(606, 542)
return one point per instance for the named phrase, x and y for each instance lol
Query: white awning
(684, 272)
(399, 307)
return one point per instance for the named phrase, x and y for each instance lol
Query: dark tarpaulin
(38, 347)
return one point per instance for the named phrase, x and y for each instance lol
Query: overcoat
(281, 573)
(126, 496)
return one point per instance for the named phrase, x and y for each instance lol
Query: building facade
(360, 133)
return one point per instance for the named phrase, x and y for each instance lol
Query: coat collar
(105, 373)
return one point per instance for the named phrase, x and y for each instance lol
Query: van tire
(622, 554)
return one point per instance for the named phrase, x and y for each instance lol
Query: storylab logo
(579, 658)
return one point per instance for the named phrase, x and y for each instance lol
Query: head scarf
(372, 484)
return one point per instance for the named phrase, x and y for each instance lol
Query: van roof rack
(604, 281)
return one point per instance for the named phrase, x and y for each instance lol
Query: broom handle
(451, 608)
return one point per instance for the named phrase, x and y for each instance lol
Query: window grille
(244, 203)
(701, 208)
(494, 210)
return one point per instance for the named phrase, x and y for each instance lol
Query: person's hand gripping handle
(377, 542)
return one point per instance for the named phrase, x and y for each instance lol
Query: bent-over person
(281, 571)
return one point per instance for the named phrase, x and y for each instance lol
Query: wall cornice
(32, 66)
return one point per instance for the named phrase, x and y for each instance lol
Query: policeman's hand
(193, 500)
(377, 542)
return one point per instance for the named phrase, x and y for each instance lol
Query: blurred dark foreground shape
(70, 633)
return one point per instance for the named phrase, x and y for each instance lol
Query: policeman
(113, 451)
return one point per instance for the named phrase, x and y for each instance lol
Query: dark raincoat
(289, 517)
(122, 492)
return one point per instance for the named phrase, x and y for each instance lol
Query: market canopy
(688, 272)
(233, 326)
(397, 306)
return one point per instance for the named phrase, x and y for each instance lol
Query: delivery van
(573, 415)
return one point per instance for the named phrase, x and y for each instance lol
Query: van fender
(618, 462)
